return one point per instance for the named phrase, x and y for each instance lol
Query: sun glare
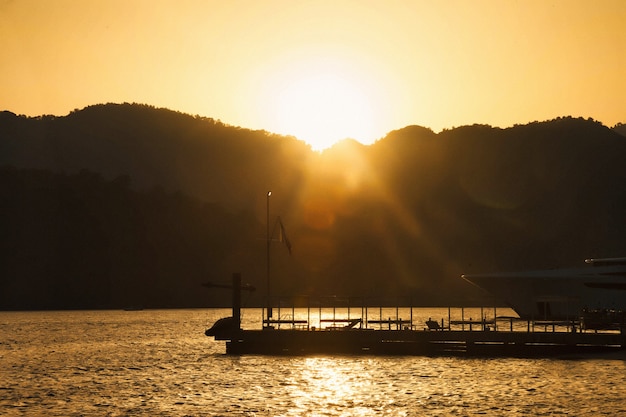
(323, 105)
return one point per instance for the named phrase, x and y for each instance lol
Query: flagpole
(269, 304)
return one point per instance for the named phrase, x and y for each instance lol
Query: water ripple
(159, 363)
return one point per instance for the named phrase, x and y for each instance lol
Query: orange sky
(320, 70)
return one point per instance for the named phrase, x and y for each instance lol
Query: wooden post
(462, 318)
(495, 315)
(237, 299)
(482, 317)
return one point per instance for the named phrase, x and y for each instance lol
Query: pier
(318, 326)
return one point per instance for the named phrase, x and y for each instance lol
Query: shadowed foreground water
(159, 363)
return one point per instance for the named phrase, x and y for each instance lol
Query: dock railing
(361, 313)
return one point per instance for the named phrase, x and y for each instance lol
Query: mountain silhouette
(129, 205)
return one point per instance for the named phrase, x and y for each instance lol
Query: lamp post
(269, 304)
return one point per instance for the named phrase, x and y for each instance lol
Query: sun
(323, 104)
(322, 109)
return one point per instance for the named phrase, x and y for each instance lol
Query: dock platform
(420, 342)
(353, 329)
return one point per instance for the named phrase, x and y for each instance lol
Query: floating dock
(356, 333)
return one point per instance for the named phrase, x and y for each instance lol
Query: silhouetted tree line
(620, 128)
(130, 205)
(80, 241)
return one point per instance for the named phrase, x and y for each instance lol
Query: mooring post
(237, 299)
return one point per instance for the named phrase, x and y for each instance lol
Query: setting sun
(323, 102)
(320, 71)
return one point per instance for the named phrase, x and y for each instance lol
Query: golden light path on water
(159, 363)
(331, 382)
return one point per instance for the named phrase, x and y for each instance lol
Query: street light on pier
(269, 304)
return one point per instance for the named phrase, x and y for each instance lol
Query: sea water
(159, 363)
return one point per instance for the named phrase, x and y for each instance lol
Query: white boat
(559, 294)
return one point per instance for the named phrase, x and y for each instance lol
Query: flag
(283, 236)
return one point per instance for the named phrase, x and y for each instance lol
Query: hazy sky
(320, 70)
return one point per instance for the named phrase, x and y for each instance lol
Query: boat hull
(558, 294)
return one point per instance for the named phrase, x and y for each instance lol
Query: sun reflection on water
(334, 386)
(326, 379)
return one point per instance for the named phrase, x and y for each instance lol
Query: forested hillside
(128, 205)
